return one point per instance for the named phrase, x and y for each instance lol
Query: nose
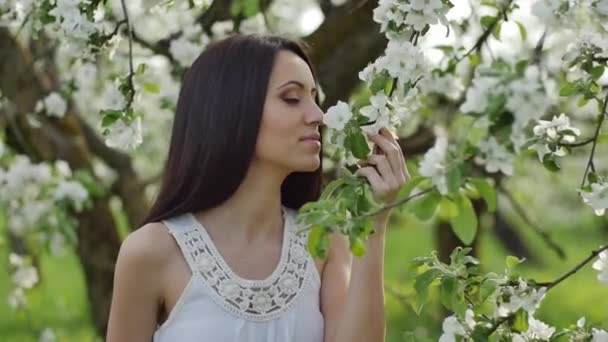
(314, 115)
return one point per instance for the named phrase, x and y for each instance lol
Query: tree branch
(539, 231)
(600, 121)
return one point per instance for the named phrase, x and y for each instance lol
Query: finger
(385, 170)
(374, 179)
(393, 153)
(391, 137)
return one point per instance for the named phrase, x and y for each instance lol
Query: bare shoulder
(148, 247)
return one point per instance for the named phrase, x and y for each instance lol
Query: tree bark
(98, 241)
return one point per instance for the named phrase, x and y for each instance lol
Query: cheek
(276, 133)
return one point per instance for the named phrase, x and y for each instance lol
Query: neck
(258, 204)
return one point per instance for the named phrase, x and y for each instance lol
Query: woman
(218, 258)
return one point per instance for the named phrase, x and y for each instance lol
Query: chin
(307, 166)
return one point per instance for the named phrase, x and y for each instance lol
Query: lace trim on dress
(254, 300)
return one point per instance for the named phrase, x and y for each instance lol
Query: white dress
(219, 306)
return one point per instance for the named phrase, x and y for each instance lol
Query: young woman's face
(289, 132)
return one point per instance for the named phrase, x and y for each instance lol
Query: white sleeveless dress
(219, 306)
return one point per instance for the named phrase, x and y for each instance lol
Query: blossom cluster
(550, 135)
(32, 193)
(402, 15)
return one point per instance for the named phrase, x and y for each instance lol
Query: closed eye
(292, 101)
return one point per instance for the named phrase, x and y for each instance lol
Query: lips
(313, 136)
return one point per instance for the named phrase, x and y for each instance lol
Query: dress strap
(187, 236)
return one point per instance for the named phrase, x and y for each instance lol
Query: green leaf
(521, 66)
(379, 83)
(520, 322)
(332, 186)
(445, 48)
(454, 178)
(388, 88)
(496, 30)
(357, 144)
(568, 89)
(550, 164)
(512, 261)
(141, 69)
(522, 31)
(407, 189)
(109, 117)
(448, 292)
(597, 71)
(592, 178)
(357, 247)
(474, 59)
(250, 8)
(486, 289)
(318, 242)
(488, 20)
(465, 224)
(422, 283)
(424, 208)
(487, 192)
(447, 209)
(152, 88)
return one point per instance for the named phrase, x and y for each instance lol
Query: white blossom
(581, 322)
(377, 111)
(554, 132)
(413, 13)
(526, 98)
(53, 104)
(123, 135)
(521, 297)
(601, 6)
(537, 331)
(479, 93)
(16, 299)
(189, 45)
(47, 335)
(72, 191)
(57, 243)
(451, 328)
(338, 116)
(551, 12)
(402, 60)
(601, 265)
(495, 157)
(597, 198)
(25, 275)
(70, 21)
(599, 335)
(433, 165)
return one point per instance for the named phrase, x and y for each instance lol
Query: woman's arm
(137, 290)
(352, 294)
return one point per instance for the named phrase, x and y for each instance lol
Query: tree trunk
(60, 139)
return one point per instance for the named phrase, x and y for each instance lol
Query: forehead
(289, 66)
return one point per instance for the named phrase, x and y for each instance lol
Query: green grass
(60, 301)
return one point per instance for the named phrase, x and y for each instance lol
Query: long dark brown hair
(216, 126)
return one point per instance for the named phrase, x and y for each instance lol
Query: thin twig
(396, 203)
(376, 212)
(131, 69)
(580, 265)
(552, 284)
(488, 31)
(579, 144)
(524, 215)
(597, 133)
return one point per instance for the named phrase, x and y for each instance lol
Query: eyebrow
(299, 84)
